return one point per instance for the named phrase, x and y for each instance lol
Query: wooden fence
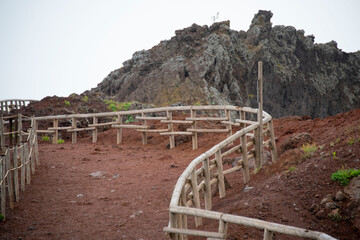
(17, 161)
(195, 186)
(9, 104)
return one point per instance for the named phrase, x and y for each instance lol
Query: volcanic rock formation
(217, 65)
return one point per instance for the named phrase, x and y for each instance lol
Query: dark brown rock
(217, 65)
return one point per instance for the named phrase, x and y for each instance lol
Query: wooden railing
(17, 163)
(9, 104)
(206, 172)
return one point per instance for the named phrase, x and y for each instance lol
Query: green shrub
(117, 106)
(129, 119)
(309, 149)
(60, 141)
(343, 176)
(67, 103)
(85, 99)
(45, 138)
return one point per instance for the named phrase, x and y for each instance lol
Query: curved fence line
(204, 174)
(17, 163)
(7, 105)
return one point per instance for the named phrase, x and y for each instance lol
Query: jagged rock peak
(217, 65)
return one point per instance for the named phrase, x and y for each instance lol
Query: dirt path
(129, 201)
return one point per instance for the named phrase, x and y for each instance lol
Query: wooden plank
(102, 124)
(245, 121)
(230, 170)
(177, 121)
(176, 133)
(81, 129)
(196, 197)
(32, 154)
(194, 232)
(207, 119)
(208, 130)
(45, 131)
(207, 187)
(220, 173)
(129, 126)
(230, 151)
(230, 123)
(152, 130)
(59, 128)
(151, 118)
(35, 126)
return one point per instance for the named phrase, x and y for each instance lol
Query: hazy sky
(59, 47)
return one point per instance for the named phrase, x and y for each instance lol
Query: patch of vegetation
(337, 140)
(309, 149)
(350, 141)
(335, 216)
(67, 103)
(85, 99)
(291, 169)
(60, 141)
(117, 106)
(332, 144)
(129, 119)
(334, 155)
(251, 95)
(1, 217)
(343, 176)
(45, 138)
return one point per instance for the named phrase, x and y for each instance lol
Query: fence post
(2, 136)
(95, 131)
(19, 140)
(16, 173)
(228, 126)
(259, 138)
(22, 177)
(56, 133)
(35, 127)
(144, 135)
(207, 197)
(171, 129)
(194, 136)
(74, 133)
(272, 141)
(2, 186)
(27, 161)
(245, 159)
(119, 130)
(9, 180)
(196, 197)
(220, 174)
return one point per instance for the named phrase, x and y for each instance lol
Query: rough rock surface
(217, 65)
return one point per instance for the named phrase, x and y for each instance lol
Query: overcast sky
(59, 47)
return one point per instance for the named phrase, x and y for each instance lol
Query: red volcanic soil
(129, 199)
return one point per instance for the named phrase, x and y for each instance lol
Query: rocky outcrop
(217, 65)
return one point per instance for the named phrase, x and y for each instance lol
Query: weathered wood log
(208, 130)
(176, 133)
